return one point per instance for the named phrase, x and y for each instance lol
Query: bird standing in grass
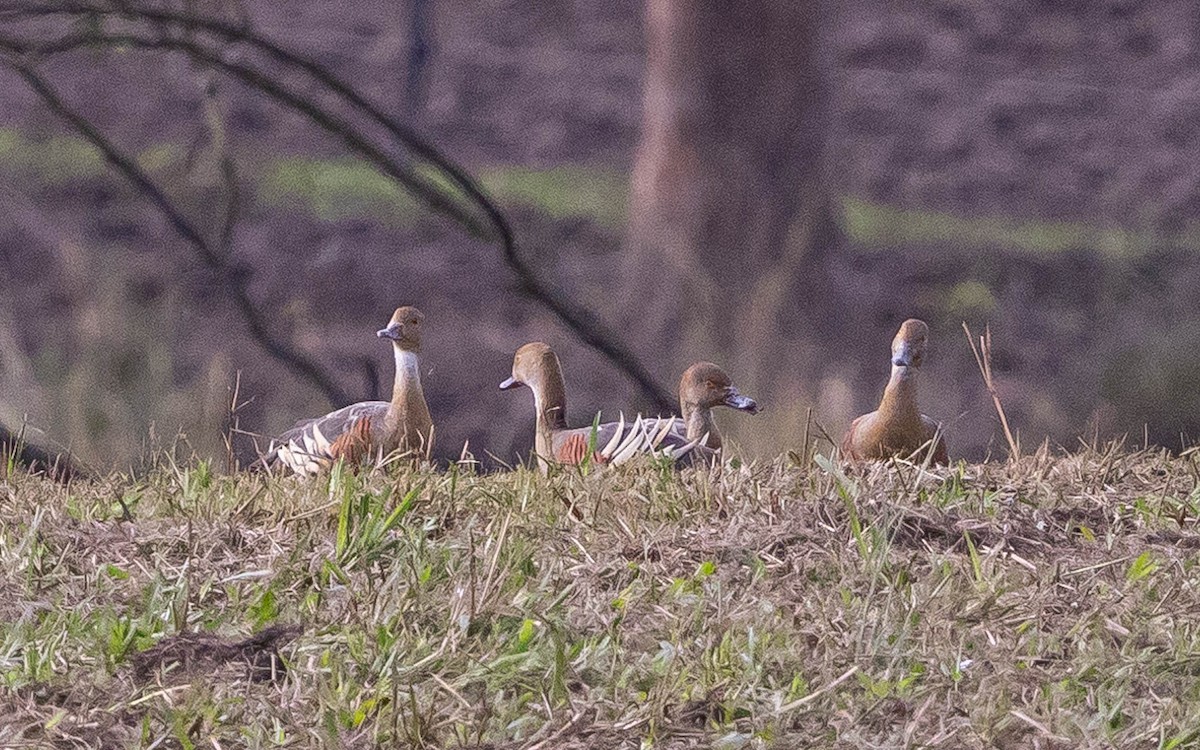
(897, 427)
(374, 430)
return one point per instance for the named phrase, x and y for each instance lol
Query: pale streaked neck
(408, 375)
(900, 396)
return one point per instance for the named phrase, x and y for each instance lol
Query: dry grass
(1046, 603)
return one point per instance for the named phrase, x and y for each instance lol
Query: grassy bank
(1047, 603)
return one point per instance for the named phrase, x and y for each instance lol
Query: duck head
(404, 329)
(908, 348)
(534, 365)
(704, 385)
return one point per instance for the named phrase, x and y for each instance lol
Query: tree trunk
(727, 198)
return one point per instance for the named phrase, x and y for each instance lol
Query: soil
(189, 654)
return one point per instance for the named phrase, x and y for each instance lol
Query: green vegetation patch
(334, 190)
(341, 188)
(880, 225)
(564, 191)
(53, 158)
(347, 188)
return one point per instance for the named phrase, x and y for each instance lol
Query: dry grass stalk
(983, 359)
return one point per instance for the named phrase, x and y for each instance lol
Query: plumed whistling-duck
(369, 429)
(536, 365)
(703, 386)
(897, 427)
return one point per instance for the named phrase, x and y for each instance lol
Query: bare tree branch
(591, 330)
(408, 137)
(233, 281)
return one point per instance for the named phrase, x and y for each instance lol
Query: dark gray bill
(741, 403)
(391, 332)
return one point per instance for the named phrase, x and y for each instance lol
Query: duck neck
(407, 397)
(899, 404)
(550, 401)
(698, 421)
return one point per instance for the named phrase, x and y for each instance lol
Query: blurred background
(773, 185)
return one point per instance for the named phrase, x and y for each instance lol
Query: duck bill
(391, 332)
(509, 384)
(902, 356)
(737, 401)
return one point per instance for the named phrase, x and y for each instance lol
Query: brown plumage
(897, 427)
(354, 445)
(536, 365)
(371, 430)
